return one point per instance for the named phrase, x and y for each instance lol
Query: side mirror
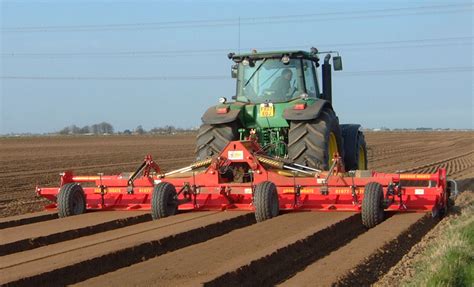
(337, 63)
(234, 71)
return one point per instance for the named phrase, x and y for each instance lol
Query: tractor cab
(275, 77)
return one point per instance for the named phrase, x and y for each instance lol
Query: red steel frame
(208, 190)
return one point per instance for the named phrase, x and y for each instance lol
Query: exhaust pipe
(326, 73)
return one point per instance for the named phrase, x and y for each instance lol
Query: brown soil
(78, 259)
(32, 236)
(227, 254)
(347, 258)
(28, 218)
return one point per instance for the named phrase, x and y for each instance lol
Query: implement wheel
(314, 142)
(212, 139)
(372, 205)
(71, 200)
(164, 201)
(266, 201)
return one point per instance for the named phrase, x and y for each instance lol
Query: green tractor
(279, 103)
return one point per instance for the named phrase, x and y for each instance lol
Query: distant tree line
(106, 128)
(96, 129)
(165, 130)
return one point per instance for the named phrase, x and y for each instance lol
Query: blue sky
(408, 51)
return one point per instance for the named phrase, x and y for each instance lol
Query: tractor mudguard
(212, 117)
(309, 113)
(350, 135)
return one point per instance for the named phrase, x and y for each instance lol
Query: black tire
(211, 139)
(71, 200)
(266, 201)
(308, 141)
(354, 144)
(362, 147)
(164, 201)
(372, 205)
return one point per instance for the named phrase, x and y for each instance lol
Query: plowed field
(210, 248)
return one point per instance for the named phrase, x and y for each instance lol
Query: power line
(221, 77)
(408, 71)
(450, 8)
(116, 78)
(411, 44)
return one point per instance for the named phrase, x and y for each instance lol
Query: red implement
(242, 179)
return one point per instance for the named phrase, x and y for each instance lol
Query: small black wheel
(266, 201)
(372, 205)
(71, 200)
(164, 200)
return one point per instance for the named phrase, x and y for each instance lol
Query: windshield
(269, 80)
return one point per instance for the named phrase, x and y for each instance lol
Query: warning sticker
(235, 154)
(419, 191)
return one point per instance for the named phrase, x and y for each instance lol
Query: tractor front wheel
(266, 201)
(164, 200)
(71, 200)
(372, 205)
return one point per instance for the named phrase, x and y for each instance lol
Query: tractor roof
(274, 54)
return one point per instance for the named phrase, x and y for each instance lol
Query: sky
(407, 64)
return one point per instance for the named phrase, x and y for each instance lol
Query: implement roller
(242, 178)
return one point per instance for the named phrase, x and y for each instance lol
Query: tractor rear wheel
(71, 200)
(164, 200)
(355, 149)
(372, 205)
(314, 142)
(266, 201)
(361, 153)
(211, 139)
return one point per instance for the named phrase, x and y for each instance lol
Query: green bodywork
(255, 73)
(271, 132)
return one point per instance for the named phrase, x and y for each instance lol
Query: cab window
(310, 79)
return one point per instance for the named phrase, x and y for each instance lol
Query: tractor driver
(281, 86)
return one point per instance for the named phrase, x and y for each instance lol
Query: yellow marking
(362, 164)
(415, 176)
(108, 190)
(266, 112)
(86, 178)
(348, 191)
(332, 146)
(145, 190)
(303, 190)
